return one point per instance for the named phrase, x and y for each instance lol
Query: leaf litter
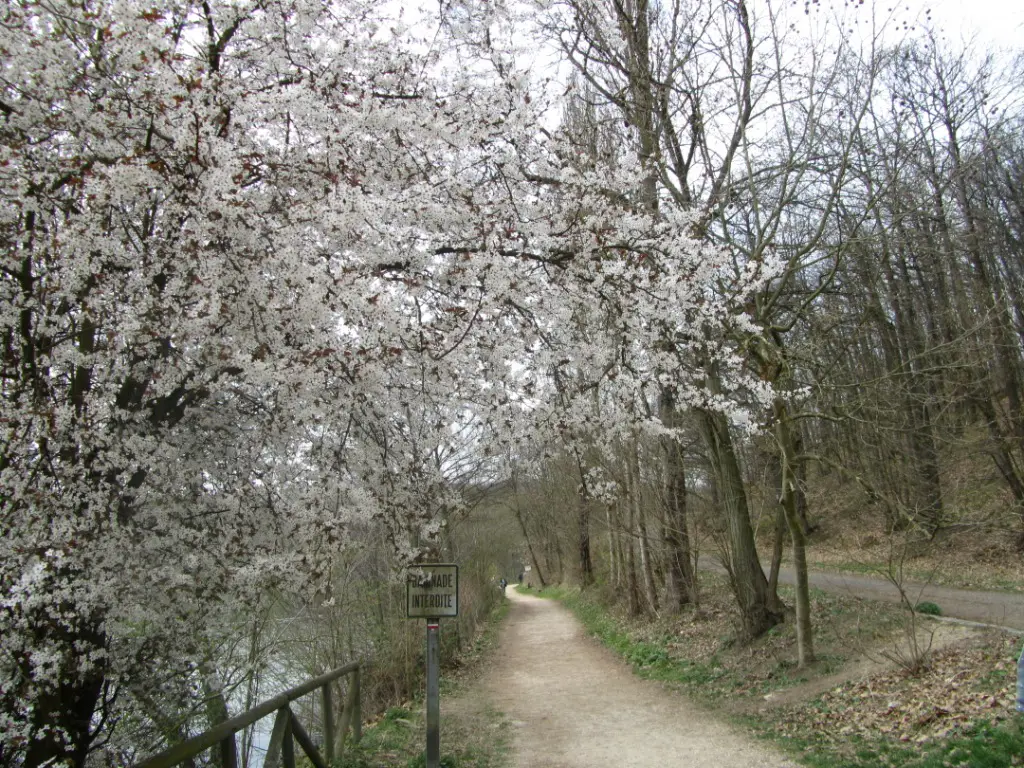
(962, 686)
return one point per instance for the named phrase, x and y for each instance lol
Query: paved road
(1005, 609)
(573, 704)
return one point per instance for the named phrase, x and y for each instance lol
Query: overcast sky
(999, 22)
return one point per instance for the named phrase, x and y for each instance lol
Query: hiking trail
(571, 703)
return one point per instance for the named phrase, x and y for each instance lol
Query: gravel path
(572, 704)
(1004, 609)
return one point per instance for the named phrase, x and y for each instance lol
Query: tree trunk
(634, 599)
(749, 583)
(788, 500)
(559, 559)
(64, 718)
(217, 712)
(620, 541)
(646, 560)
(680, 584)
(634, 603)
(529, 545)
(586, 563)
(613, 554)
(778, 542)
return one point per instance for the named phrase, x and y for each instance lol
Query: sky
(996, 22)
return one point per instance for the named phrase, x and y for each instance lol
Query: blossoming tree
(255, 255)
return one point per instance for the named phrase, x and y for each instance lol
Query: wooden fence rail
(287, 729)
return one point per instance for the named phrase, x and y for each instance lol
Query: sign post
(433, 693)
(432, 591)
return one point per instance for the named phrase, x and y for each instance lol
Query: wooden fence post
(288, 744)
(346, 717)
(300, 735)
(328, 707)
(273, 757)
(229, 752)
(357, 712)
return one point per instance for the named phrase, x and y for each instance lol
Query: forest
(293, 291)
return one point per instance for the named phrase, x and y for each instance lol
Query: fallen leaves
(962, 687)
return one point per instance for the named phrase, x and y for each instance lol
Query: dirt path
(1003, 609)
(571, 704)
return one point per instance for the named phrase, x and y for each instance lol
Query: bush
(647, 655)
(928, 609)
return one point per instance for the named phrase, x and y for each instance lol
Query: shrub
(928, 609)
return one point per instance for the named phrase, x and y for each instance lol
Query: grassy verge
(698, 652)
(958, 712)
(983, 745)
(468, 739)
(651, 655)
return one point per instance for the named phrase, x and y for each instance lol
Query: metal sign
(432, 591)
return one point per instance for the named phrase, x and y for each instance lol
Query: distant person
(520, 578)
(502, 583)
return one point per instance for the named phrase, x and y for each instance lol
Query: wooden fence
(286, 732)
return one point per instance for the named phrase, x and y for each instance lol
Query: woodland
(289, 287)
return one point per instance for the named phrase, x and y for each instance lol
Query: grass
(650, 659)
(657, 652)
(985, 745)
(397, 739)
(388, 742)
